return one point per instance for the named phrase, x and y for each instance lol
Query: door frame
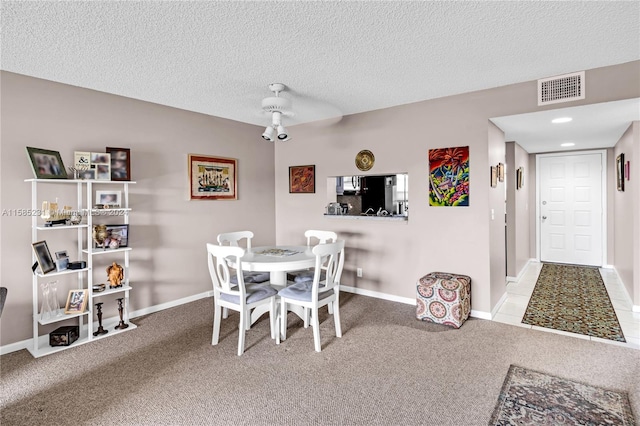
(604, 169)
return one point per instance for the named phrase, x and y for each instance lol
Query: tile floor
(518, 293)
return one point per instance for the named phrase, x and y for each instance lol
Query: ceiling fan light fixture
(268, 133)
(282, 133)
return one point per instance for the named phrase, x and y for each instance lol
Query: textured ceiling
(336, 58)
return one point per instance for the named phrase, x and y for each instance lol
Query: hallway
(518, 293)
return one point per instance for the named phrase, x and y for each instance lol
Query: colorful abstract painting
(449, 176)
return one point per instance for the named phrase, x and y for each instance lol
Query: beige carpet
(387, 369)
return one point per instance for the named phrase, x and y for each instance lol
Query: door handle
(544, 217)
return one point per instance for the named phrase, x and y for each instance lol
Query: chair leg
(316, 329)
(217, 312)
(241, 329)
(283, 320)
(225, 313)
(306, 314)
(336, 317)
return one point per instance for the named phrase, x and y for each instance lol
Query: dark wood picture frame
(302, 179)
(494, 176)
(520, 177)
(620, 172)
(120, 163)
(46, 164)
(43, 257)
(212, 178)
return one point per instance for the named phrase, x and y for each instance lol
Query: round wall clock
(365, 160)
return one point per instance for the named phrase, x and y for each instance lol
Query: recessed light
(567, 144)
(561, 120)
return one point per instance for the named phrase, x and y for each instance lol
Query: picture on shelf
(108, 198)
(43, 257)
(76, 302)
(46, 164)
(101, 163)
(61, 254)
(120, 163)
(117, 236)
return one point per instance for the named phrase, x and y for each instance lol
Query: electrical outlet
(359, 272)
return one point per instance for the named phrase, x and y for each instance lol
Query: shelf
(47, 228)
(97, 251)
(115, 182)
(66, 271)
(109, 291)
(60, 317)
(97, 212)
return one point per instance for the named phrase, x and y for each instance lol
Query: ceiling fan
(277, 107)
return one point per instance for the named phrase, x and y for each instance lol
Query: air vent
(561, 88)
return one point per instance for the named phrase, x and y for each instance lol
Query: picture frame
(212, 178)
(501, 172)
(101, 163)
(117, 232)
(620, 172)
(43, 257)
(61, 254)
(76, 301)
(106, 199)
(46, 164)
(302, 179)
(627, 170)
(120, 163)
(519, 178)
(494, 176)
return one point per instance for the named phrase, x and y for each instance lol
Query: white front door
(571, 208)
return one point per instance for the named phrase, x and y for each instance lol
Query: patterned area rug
(574, 299)
(533, 398)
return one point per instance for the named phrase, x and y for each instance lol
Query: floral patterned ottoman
(443, 298)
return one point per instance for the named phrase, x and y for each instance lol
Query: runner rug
(574, 299)
(534, 398)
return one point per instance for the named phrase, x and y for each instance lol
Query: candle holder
(100, 330)
(122, 325)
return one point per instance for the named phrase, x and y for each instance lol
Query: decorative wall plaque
(365, 160)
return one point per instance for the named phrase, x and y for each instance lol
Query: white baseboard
(24, 344)
(405, 300)
(378, 295)
(634, 308)
(496, 308)
(522, 270)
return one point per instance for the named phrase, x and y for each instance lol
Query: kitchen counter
(394, 218)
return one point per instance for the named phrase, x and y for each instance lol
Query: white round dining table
(278, 260)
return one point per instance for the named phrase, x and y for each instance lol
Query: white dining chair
(240, 297)
(317, 293)
(241, 239)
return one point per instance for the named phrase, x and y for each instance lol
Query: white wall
(627, 214)
(518, 218)
(168, 232)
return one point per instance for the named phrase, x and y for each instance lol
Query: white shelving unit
(87, 321)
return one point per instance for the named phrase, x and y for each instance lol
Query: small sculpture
(99, 234)
(115, 274)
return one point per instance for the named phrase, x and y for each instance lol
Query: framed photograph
(501, 172)
(101, 163)
(62, 264)
(109, 198)
(117, 236)
(87, 174)
(212, 178)
(302, 179)
(46, 164)
(43, 257)
(520, 177)
(81, 160)
(620, 172)
(627, 170)
(494, 176)
(120, 163)
(61, 254)
(76, 302)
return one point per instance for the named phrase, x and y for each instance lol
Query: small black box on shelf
(77, 265)
(63, 336)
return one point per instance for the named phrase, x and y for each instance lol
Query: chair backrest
(322, 236)
(234, 238)
(330, 259)
(220, 271)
